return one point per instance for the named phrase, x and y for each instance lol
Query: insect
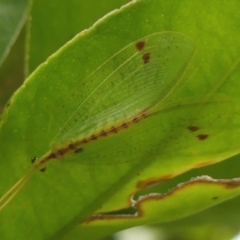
(134, 85)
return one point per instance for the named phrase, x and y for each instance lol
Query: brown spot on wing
(193, 128)
(140, 45)
(146, 58)
(202, 136)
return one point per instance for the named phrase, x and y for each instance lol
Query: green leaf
(181, 125)
(12, 71)
(53, 23)
(12, 17)
(222, 219)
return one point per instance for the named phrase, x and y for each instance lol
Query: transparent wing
(133, 80)
(186, 129)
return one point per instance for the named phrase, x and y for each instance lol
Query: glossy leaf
(12, 17)
(46, 35)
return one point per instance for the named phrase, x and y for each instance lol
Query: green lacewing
(129, 87)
